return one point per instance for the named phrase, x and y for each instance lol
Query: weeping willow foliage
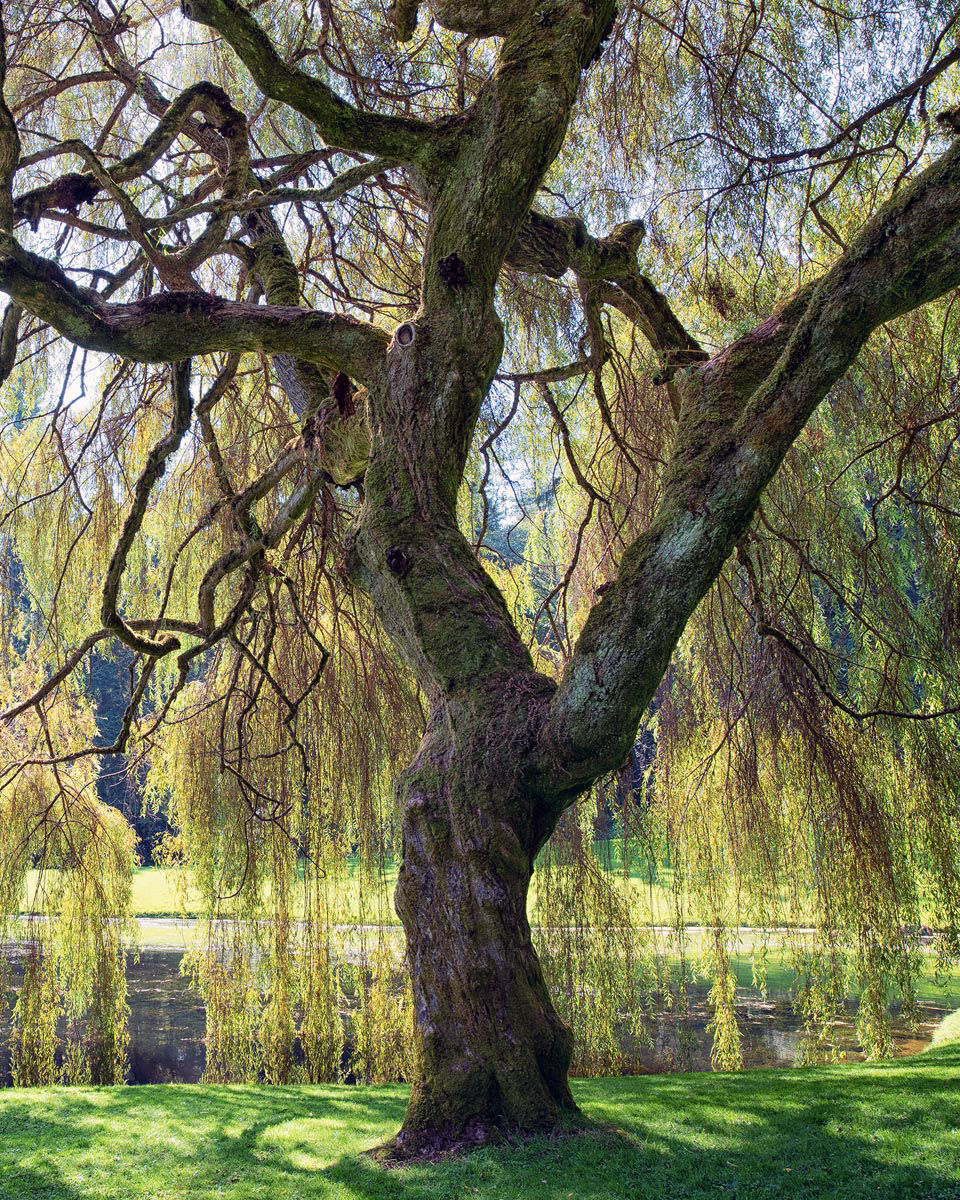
(781, 787)
(69, 1022)
(284, 822)
(799, 783)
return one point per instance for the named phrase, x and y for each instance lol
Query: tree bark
(494, 1051)
(506, 749)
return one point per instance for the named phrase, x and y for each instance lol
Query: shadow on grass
(847, 1133)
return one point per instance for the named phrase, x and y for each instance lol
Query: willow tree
(197, 230)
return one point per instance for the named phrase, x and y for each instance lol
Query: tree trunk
(494, 1051)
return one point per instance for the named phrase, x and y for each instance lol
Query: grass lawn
(156, 893)
(848, 1133)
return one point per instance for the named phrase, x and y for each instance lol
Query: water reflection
(167, 1028)
(166, 1021)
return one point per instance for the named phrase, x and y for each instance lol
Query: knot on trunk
(452, 271)
(405, 334)
(398, 561)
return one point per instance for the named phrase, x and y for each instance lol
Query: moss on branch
(172, 326)
(339, 123)
(740, 414)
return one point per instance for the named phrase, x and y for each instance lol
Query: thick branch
(408, 551)
(339, 123)
(479, 18)
(554, 245)
(9, 341)
(177, 325)
(642, 303)
(727, 451)
(9, 142)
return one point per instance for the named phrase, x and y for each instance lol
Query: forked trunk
(494, 1051)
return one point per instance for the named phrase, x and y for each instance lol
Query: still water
(167, 1028)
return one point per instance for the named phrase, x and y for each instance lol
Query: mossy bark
(494, 1052)
(506, 750)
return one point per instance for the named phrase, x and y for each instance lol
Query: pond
(167, 1026)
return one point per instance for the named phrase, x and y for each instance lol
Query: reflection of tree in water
(167, 1024)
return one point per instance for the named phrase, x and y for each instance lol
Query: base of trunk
(493, 1051)
(459, 1110)
(430, 1143)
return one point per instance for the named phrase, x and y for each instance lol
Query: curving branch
(642, 303)
(735, 429)
(554, 245)
(69, 191)
(177, 325)
(153, 470)
(80, 652)
(339, 123)
(223, 137)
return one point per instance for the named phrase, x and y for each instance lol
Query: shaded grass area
(874, 1130)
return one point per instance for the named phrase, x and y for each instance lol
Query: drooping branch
(853, 129)
(339, 123)
(253, 546)
(177, 325)
(153, 470)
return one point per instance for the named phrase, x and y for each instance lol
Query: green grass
(880, 1130)
(156, 894)
(947, 1031)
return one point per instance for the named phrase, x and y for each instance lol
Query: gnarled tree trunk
(507, 749)
(494, 1051)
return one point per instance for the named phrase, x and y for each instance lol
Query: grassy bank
(947, 1031)
(881, 1130)
(156, 893)
(649, 892)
